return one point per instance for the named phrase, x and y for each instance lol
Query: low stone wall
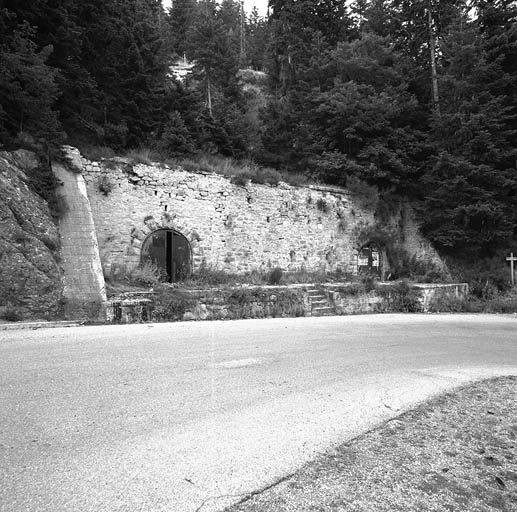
(432, 293)
(174, 304)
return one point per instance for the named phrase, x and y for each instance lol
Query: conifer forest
(416, 98)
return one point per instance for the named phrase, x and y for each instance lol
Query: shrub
(241, 179)
(209, 277)
(193, 166)
(105, 184)
(96, 153)
(296, 179)
(367, 195)
(367, 281)
(401, 297)
(275, 276)
(354, 289)
(11, 315)
(487, 278)
(503, 303)
(171, 304)
(456, 305)
(288, 303)
(145, 275)
(322, 205)
(266, 175)
(259, 303)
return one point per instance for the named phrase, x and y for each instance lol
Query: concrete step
(315, 291)
(323, 311)
(322, 302)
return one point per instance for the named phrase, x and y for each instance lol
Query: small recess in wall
(165, 207)
(267, 219)
(156, 192)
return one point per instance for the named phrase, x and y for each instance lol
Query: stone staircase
(320, 304)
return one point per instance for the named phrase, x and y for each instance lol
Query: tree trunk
(209, 93)
(434, 75)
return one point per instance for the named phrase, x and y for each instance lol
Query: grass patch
(120, 277)
(144, 156)
(498, 303)
(241, 172)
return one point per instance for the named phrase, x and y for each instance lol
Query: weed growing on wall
(342, 225)
(105, 184)
(261, 303)
(322, 205)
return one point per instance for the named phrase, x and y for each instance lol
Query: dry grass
(455, 453)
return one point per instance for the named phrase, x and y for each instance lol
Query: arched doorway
(369, 260)
(170, 251)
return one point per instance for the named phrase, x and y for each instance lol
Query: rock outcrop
(30, 280)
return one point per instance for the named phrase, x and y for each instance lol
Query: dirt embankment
(30, 280)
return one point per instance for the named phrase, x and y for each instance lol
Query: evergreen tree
(180, 18)
(28, 85)
(471, 201)
(301, 29)
(257, 37)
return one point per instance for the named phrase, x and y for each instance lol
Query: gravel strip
(454, 453)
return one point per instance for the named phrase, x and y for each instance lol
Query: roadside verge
(455, 452)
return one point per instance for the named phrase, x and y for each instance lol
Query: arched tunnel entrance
(170, 252)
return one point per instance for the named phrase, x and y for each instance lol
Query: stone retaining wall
(230, 227)
(270, 301)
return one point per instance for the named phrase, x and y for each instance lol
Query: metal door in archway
(369, 260)
(170, 251)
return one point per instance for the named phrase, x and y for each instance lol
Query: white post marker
(511, 259)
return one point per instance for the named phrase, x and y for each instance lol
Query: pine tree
(257, 40)
(470, 207)
(180, 18)
(28, 85)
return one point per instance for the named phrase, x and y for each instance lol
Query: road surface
(189, 417)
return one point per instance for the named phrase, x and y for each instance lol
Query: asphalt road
(189, 416)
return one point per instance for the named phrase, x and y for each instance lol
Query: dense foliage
(415, 97)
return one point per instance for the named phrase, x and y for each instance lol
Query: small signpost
(512, 259)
